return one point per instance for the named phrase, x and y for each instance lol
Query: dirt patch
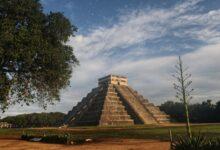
(105, 144)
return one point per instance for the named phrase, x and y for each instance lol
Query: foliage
(53, 119)
(204, 112)
(183, 90)
(58, 139)
(196, 142)
(35, 62)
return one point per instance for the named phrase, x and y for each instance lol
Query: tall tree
(183, 89)
(35, 62)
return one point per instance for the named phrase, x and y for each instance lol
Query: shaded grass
(134, 132)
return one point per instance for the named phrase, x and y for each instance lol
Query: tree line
(205, 112)
(53, 119)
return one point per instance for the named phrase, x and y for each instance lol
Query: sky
(140, 39)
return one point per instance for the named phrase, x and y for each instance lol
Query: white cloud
(144, 25)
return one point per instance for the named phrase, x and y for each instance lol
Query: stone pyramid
(113, 102)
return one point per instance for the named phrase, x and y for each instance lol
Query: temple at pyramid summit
(114, 102)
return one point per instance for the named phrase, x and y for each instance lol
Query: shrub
(54, 139)
(199, 142)
(58, 139)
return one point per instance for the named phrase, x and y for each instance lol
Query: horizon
(142, 41)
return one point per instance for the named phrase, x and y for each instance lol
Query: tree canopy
(35, 62)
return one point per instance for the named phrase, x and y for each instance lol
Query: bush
(58, 139)
(199, 142)
(55, 139)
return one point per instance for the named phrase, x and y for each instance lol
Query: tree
(174, 109)
(183, 90)
(204, 112)
(217, 111)
(35, 62)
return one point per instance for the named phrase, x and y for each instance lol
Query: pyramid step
(162, 119)
(161, 115)
(119, 113)
(113, 98)
(112, 94)
(114, 106)
(155, 111)
(118, 123)
(115, 112)
(116, 117)
(113, 102)
(165, 121)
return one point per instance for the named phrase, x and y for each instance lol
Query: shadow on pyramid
(113, 102)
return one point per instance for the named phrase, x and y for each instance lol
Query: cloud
(180, 21)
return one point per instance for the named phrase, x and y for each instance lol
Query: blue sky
(140, 39)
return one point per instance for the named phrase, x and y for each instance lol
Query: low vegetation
(58, 139)
(133, 132)
(53, 119)
(197, 142)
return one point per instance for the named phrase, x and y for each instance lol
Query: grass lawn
(135, 132)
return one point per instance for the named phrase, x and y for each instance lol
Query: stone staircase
(113, 112)
(102, 106)
(135, 104)
(159, 115)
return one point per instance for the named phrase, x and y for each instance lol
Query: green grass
(138, 131)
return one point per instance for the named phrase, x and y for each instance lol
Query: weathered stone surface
(113, 102)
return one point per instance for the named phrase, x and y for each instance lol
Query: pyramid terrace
(114, 102)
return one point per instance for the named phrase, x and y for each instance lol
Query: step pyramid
(113, 102)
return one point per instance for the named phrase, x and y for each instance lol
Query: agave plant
(213, 144)
(196, 142)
